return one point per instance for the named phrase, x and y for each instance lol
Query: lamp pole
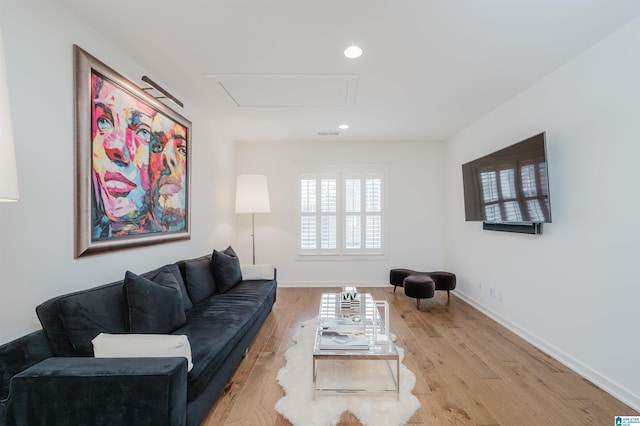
(253, 235)
(252, 196)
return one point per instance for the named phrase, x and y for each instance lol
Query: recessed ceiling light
(353, 52)
(343, 126)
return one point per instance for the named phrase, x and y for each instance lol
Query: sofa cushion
(89, 313)
(153, 307)
(199, 278)
(226, 269)
(228, 317)
(171, 273)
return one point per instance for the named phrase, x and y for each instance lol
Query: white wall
(414, 213)
(573, 291)
(36, 234)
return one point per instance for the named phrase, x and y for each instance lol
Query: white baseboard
(332, 284)
(594, 377)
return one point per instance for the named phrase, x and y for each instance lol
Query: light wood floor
(470, 370)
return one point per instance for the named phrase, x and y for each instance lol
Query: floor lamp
(252, 196)
(8, 168)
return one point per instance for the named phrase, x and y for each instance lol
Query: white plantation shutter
(374, 213)
(308, 233)
(308, 214)
(328, 212)
(363, 213)
(328, 237)
(352, 195)
(353, 226)
(328, 199)
(374, 232)
(341, 213)
(353, 222)
(318, 214)
(374, 195)
(308, 195)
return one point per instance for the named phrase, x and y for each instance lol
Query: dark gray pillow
(170, 274)
(226, 269)
(153, 307)
(200, 283)
(87, 314)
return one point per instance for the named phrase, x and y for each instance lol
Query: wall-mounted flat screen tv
(509, 186)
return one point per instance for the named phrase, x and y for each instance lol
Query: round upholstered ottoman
(444, 281)
(420, 287)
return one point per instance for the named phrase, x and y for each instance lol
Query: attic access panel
(287, 91)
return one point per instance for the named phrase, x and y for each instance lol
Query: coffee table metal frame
(379, 349)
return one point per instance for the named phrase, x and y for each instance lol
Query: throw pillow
(258, 272)
(142, 345)
(170, 274)
(199, 275)
(153, 307)
(226, 269)
(88, 313)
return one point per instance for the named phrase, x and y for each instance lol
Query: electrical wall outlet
(479, 286)
(495, 293)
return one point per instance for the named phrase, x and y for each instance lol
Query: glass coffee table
(344, 362)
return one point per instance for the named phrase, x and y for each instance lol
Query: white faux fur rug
(299, 407)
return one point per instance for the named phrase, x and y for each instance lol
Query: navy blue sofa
(50, 377)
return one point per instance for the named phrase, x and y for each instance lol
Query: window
(341, 213)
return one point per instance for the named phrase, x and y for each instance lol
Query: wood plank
(469, 369)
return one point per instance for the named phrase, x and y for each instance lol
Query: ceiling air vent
(328, 133)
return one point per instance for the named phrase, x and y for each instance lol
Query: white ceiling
(269, 70)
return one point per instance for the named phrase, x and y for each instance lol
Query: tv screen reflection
(510, 185)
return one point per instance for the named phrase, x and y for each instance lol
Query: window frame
(342, 173)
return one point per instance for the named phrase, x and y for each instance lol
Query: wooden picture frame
(132, 163)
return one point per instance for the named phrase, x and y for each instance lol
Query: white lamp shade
(8, 169)
(252, 194)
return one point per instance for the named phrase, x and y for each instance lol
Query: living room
(569, 291)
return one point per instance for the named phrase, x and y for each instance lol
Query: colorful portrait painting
(132, 177)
